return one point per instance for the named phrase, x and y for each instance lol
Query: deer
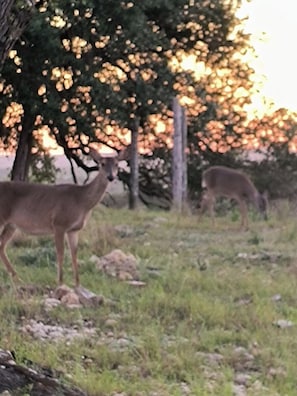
(60, 210)
(222, 181)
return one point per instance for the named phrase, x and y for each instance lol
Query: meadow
(216, 315)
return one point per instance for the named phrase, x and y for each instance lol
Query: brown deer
(59, 210)
(221, 181)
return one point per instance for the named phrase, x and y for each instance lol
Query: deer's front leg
(73, 242)
(244, 214)
(5, 237)
(60, 246)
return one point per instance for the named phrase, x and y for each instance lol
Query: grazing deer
(227, 182)
(59, 210)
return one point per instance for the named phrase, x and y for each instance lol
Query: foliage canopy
(86, 69)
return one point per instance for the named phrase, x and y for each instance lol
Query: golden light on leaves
(43, 137)
(102, 42)
(128, 5)
(57, 21)
(187, 101)
(78, 46)
(13, 115)
(63, 78)
(42, 90)
(14, 56)
(64, 106)
(112, 74)
(66, 44)
(189, 62)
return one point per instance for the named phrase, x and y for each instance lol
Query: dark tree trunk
(13, 21)
(22, 159)
(134, 181)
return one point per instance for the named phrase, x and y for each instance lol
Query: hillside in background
(61, 162)
(63, 175)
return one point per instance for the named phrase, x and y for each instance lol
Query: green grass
(208, 291)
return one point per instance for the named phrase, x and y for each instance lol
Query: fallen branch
(15, 377)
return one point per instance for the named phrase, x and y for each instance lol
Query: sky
(277, 54)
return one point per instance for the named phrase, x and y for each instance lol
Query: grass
(209, 292)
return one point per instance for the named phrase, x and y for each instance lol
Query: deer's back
(38, 208)
(221, 180)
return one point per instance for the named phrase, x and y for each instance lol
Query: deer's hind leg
(5, 237)
(209, 203)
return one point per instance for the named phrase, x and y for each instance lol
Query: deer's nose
(110, 177)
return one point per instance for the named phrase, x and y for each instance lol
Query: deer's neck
(94, 191)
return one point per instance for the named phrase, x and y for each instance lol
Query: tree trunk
(21, 162)
(184, 157)
(13, 21)
(177, 166)
(134, 181)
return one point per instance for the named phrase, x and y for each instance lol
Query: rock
(124, 276)
(61, 291)
(185, 389)
(212, 359)
(74, 298)
(112, 323)
(44, 331)
(239, 390)
(118, 264)
(160, 220)
(276, 372)
(88, 298)
(124, 231)
(242, 359)
(136, 283)
(276, 298)
(283, 324)
(51, 303)
(242, 379)
(71, 299)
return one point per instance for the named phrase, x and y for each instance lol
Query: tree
(275, 167)
(87, 71)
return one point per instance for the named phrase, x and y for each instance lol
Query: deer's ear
(124, 154)
(94, 154)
